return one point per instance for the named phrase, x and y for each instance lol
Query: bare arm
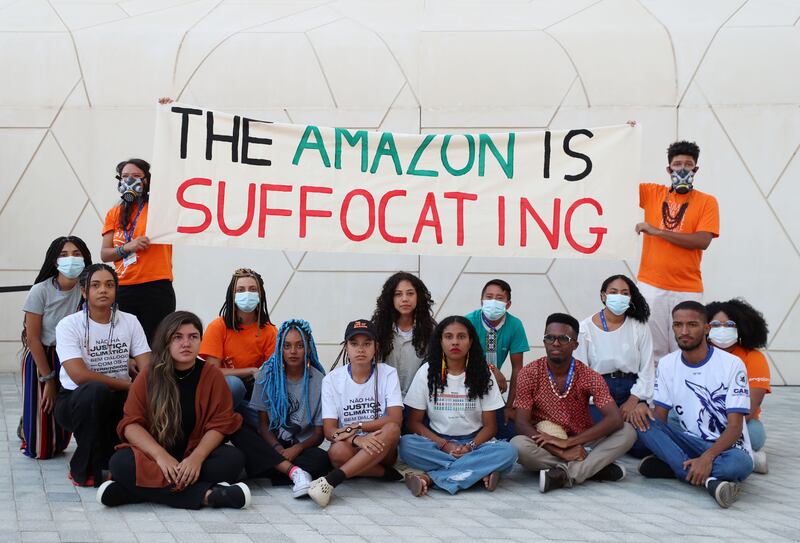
(516, 365)
(33, 333)
(415, 425)
(236, 372)
(610, 423)
(694, 240)
(489, 429)
(79, 373)
(108, 253)
(756, 397)
(700, 468)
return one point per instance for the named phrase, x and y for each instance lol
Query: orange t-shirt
(664, 264)
(757, 369)
(247, 348)
(152, 264)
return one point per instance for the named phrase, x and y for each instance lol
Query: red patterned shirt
(535, 394)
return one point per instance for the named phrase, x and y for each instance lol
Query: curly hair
(478, 376)
(683, 147)
(639, 309)
(750, 323)
(385, 315)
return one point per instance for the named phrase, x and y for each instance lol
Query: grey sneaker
(724, 493)
(302, 481)
(760, 462)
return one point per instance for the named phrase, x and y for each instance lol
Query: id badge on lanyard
(127, 235)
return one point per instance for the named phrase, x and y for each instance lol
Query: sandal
(494, 478)
(417, 484)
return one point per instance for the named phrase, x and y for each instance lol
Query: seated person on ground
(455, 389)
(553, 418)
(708, 389)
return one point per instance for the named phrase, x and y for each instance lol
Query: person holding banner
(501, 334)
(241, 338)
(362, 410)
(95, 347)
(144, 269)
(616, 343)
(679, 224)
(404, 323)
(177, 417)
(456, 390)
(54, 295)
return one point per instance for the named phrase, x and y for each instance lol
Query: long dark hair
(163, 397)
(638, 310)
(386, 315)
(750, 323)
(228, 310)
(125, 208)
(478, 376)
(49, 268)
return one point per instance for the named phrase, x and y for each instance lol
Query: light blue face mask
(246, 301)
(493, 309)
(618, 304)
(70, 266)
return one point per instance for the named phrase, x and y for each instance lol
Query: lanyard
(376, 408)
(603, 321)
(128, 234)
(568, 382)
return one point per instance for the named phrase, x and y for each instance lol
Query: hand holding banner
(227, 180)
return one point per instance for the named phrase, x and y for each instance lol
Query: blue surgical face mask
(682, 181)
(493, 309)
(723, 336)
(246, 301)
(618, 304)
(70, 266)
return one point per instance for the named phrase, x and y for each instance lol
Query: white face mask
(723, 336)
(618, 304)
(493, 309)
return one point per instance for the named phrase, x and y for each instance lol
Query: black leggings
(224, 464)
(91, 412)
(149, 302)
(261, 459)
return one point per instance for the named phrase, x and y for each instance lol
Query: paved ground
(37, 503)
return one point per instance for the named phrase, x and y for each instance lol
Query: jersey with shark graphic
(703, 394)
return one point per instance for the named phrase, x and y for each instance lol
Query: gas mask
(130, 188)
(682, 181)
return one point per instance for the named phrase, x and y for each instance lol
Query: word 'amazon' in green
(385, 149)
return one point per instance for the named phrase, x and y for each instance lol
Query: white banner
(226, 180)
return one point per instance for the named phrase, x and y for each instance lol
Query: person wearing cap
(362, 410)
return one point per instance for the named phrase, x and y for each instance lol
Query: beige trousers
(661, 303)
(604, 451)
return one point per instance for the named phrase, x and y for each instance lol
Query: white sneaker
(302, 481)
(760, 461)
(320, 491)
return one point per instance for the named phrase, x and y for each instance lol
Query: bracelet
(472, 445)
(121, 252)
(353, 442)
(50, 376)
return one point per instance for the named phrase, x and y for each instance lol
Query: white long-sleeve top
(629, 349)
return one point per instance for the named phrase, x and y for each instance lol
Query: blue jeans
(674, 447)
(505, 430)
(620, 390)
(758, 436)
(240, 402)
(454, 474)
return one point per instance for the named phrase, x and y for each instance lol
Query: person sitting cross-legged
(708, 389)
(553, 397)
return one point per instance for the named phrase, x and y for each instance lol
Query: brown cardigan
(213, 411)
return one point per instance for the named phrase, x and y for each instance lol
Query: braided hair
(228, 310)
(385, 316)
(477, 374)
(85, 280)
(272, 375)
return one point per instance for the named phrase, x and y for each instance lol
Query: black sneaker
(552, 479)
(612, 472)
(230, 496)
(112, 494)
(723, 492)
(653, 467)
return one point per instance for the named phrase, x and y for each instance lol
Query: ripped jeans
(453, 474)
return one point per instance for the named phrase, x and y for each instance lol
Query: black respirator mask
(130, 189)
(682, 181)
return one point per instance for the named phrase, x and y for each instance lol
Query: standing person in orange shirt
(740, 329)
(679, 224)
(241, 339)
(144, 269)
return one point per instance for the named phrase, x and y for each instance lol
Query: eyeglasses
(726, 324)
(550, 339)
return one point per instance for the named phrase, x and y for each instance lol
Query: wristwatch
(50, 376)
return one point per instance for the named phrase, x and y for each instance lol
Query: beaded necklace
(567, 384)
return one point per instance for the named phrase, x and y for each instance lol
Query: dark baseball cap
(360, 326)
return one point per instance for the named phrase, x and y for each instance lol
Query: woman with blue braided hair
(286, 396)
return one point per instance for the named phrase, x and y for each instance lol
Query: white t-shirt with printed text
(454, 413)
(703, 394)
(350, 403)
(106, 355)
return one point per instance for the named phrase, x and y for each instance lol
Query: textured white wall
(80, 78)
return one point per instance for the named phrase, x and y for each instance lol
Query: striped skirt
(42, 437)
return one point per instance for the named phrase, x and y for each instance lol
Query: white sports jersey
(703, 394)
